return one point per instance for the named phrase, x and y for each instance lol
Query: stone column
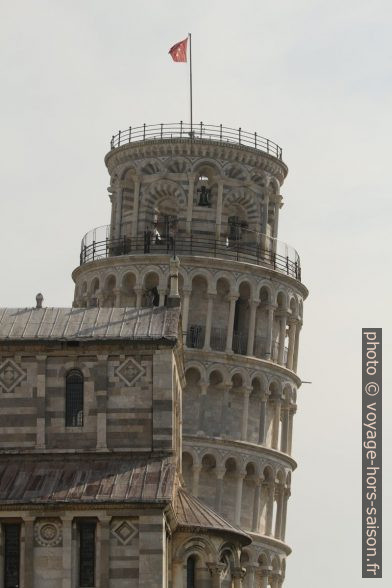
(216, 570)
(245, 414)
(285, 429)
(225, 408)
(210, 307)
(162, 295)
(263, 575)
(276, 216)
(27, 569)
(230, 327)
(220, 472)
(290, 353)
(276, 422)
(252, 323)
(269, 508)
(41, 408)
(290, 431)
(256, 507)
(238, 498)
(189, 210)
(296, 346)
(287, 494)
(117, 295)
(202, 407)
(238, 574)
(135, 211)
(101, 393)
(196, 469)
(139, 293)
(279, 511)
(274, 581)
(185, 312)
(119, 199)
(264, 219)
(270, 324)
(219, 209)
(282, 338)
(67, 551)
(263, 418)
(178, 573)
(103, 537)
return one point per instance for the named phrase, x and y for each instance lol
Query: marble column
(119, 199)
(202, 407)
(296, 346)
(135, 211)
(117, 297)
(101, 393)
(285, 429)
(230, 328)
(256, 507)
(270, 325)
(67, 551)
(27, 570)
(238, 574)
(277, 402)
(40, 402)
(220, 472)
(263, 418)
(245, 413)
(103, 538)
(139, 293)
(186, 294)
(282, 338)
(196, 469)
(225, 408)
(216, 570)
(290, 352)
(287, 494)
(238, 498)
(292, 412)
(162, 294)
(219, 210)
(279, 511)
(210, 307)
(252, 324)
(189, 210)
(263, 575)
(269, 508)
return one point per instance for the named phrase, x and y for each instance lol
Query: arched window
(191, 572)
(74, 399)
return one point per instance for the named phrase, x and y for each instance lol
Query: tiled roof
(193, 515)
(89, 323)
(86, 481)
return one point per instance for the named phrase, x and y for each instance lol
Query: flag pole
(190, 77)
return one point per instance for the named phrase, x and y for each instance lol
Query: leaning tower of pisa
(211, 196)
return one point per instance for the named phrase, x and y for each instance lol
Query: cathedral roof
(194, 516)
(156, 323)
(93, 480)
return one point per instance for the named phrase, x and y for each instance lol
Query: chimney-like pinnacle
(39, 299)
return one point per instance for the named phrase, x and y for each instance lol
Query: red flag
(178, 51)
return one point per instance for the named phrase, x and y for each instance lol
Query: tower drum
(211, 196)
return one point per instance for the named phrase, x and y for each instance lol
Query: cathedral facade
(146, 432)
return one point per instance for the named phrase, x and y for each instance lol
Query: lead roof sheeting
(88, 323)
(128, 480)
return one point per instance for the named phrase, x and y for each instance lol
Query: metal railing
(257, 249)
(198, 131)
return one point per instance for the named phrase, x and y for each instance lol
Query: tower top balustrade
(196, 132)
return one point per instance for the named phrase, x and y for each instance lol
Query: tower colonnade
(214, 203)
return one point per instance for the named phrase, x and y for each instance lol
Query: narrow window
(11, 555)
(86, 554)
(74, 399)
(190, 572)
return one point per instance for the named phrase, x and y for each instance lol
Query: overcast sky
(315, 76)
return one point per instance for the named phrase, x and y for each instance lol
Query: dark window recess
(87, 555)
(190, 572)
(11, 555)
(74, 399)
